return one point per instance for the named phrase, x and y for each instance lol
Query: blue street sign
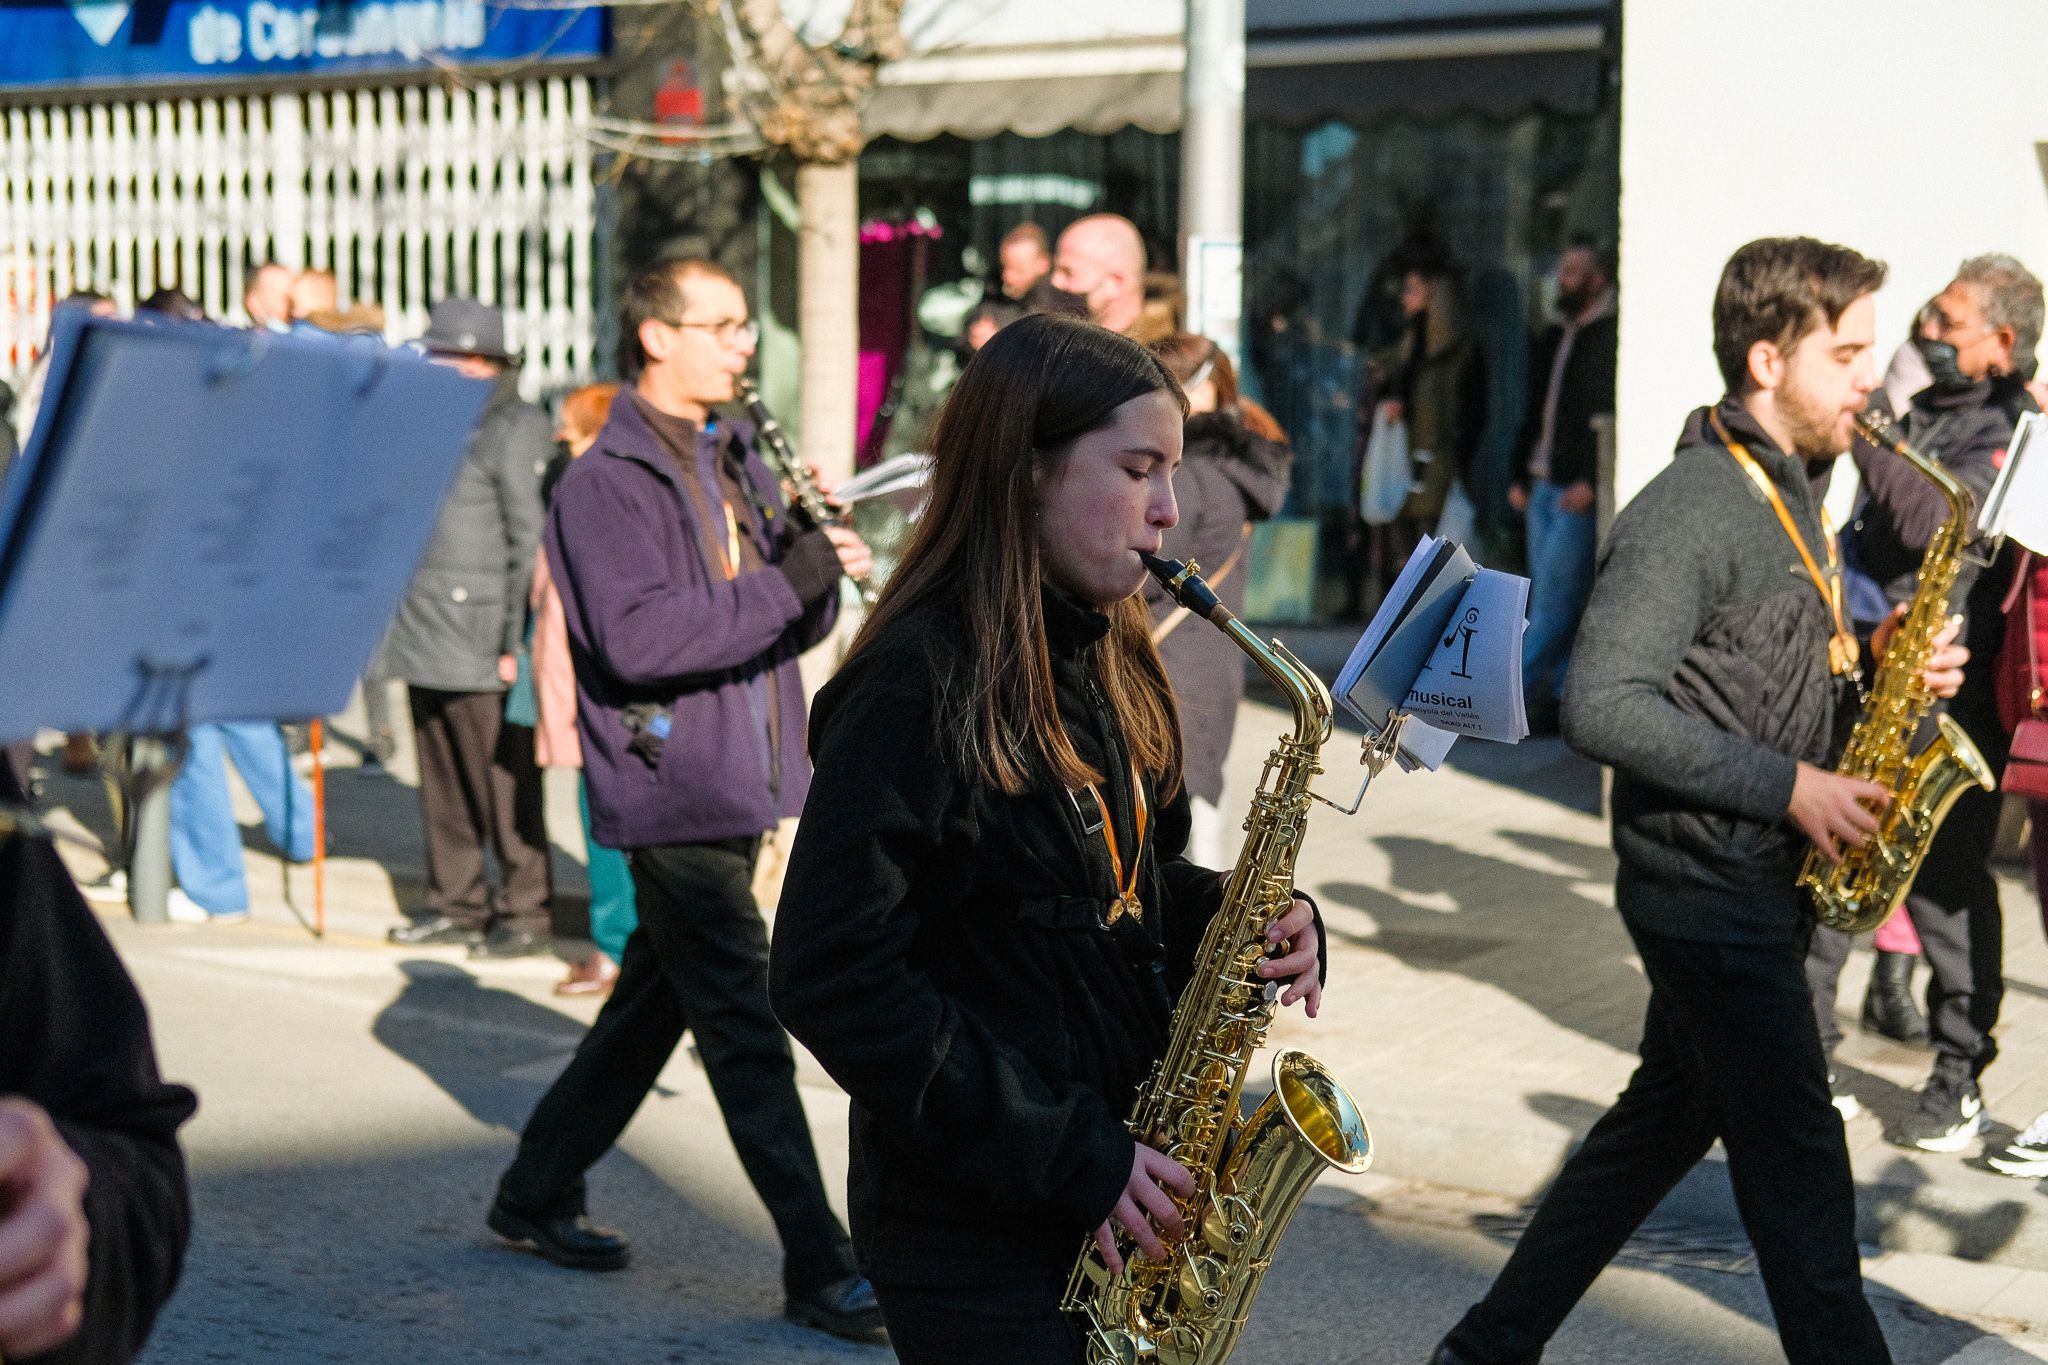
(112, 42)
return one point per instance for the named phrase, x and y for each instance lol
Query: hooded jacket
(941, 949)
(1700, 674)
(652, 620)
(1229, 477)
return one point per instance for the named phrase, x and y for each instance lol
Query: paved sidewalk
(1484, 1001)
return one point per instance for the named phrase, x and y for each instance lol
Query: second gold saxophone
(1861, 891)
(1251, 1171)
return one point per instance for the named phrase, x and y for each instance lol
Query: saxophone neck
(1885, 436)
(1304, 691)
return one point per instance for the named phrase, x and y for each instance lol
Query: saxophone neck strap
(1844, 653)
(1126, 902)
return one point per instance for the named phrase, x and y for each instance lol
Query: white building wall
(1907, 130)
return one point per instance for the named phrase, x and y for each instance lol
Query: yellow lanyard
(1844, 654)
(732, 544)
(1127, 902)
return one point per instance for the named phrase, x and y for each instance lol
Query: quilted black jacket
(1701, 675)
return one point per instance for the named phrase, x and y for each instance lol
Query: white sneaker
(110, 887)
(184, 910)
(2026, 1156)
(1845, 1102)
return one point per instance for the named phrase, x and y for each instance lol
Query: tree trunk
(828, 273)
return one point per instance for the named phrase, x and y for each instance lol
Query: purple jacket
(651, 619)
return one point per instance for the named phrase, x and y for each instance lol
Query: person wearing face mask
(1101, 259)
(999, 777)
(1976, 339)
(1234, 473)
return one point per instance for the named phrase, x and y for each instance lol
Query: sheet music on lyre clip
(2017, 505)
(1441, 658)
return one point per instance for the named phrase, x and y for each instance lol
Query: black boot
(1888, 1006)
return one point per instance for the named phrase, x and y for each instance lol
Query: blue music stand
(213, 524)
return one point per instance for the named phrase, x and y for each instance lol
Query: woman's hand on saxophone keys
(1299, 958)
(1145, 1202)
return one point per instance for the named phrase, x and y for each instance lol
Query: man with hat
(455, 643)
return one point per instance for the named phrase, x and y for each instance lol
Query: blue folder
(213, 524)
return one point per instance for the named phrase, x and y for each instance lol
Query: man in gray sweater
(1713, 672)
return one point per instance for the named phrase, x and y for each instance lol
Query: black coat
(1967, 432)
(75, 1040)
(1701, 675)
(467, 604)
(1584, 391)
(940, 948)
(1228, 479)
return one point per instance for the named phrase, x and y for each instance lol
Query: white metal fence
(408, 194)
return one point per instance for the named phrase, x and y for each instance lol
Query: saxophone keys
(1202, 1279)
(1229, 1222)
(1115, 1347)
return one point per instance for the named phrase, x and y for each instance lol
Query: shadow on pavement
(385, 1254)
(1354, 1290)
(1501, 909)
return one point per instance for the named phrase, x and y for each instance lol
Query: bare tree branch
(813, 94)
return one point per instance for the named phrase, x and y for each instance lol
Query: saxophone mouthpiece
(1183, 582)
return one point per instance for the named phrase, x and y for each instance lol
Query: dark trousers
(1955, 910)
(1730, 1052)
(1824, 959)
(478, 784)
(1008, 1323)
(697, 961)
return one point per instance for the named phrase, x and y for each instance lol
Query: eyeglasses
(1945, 327)
(730, 332)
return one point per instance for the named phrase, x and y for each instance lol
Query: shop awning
(981, 67)
(976, 92)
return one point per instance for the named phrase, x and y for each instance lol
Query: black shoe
(570, 1240)
(432, 931)
(1950, 1117)
(845, 1308)
(504, 942)
(1888, 1006)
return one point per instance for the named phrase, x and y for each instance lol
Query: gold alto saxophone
(1859, 892)
(1251, 1171)
(775, 449)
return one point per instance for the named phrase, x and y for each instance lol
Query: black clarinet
(775, 448)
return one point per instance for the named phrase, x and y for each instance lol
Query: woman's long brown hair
(1039, 385)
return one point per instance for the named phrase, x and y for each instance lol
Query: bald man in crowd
(1102, 258)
